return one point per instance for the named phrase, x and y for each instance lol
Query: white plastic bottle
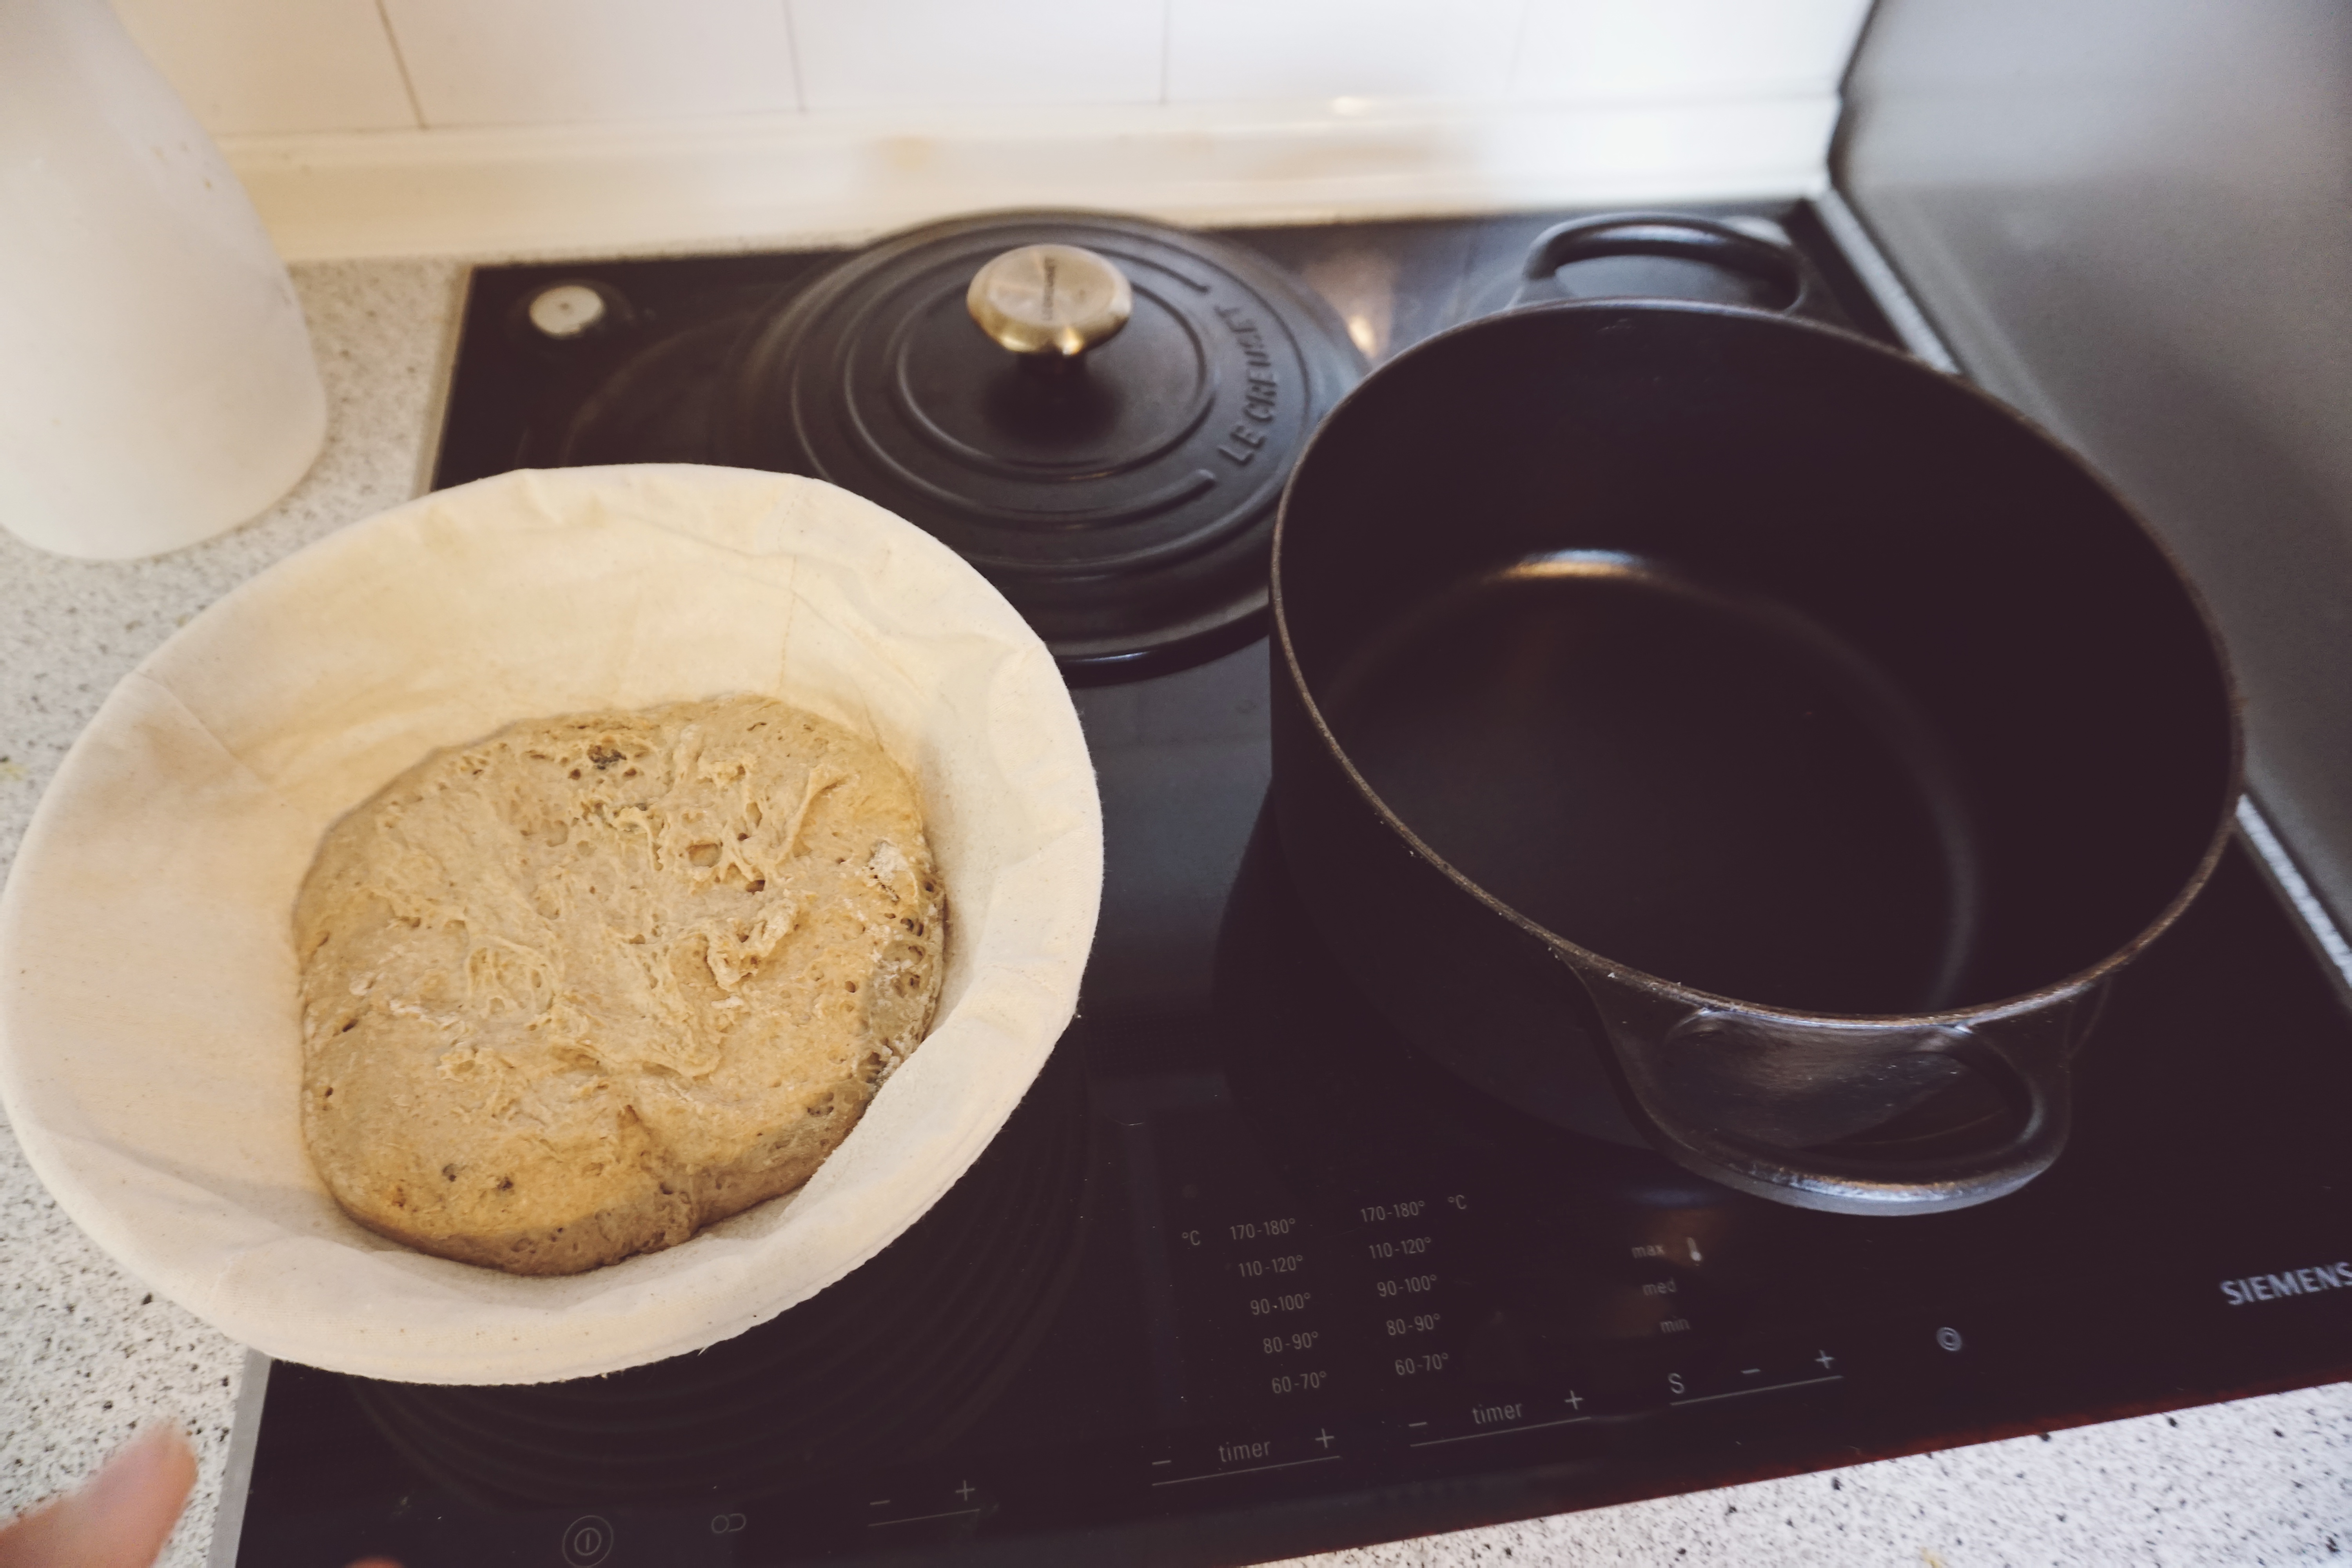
(156, 381)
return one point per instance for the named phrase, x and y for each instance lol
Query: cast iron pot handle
(1692, 1077)
(1676, 234)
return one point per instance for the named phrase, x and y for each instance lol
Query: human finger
(119, 1518)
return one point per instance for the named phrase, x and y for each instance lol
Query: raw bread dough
(574, 991)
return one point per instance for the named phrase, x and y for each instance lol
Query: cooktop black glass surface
(1245, 1276)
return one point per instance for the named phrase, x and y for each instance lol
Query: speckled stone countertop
(87, 1354)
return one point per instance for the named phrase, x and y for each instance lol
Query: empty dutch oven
(1702, 727)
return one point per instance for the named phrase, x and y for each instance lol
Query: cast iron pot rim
(1580, 955)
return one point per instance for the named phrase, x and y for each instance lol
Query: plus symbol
(1325, 1439)
(1575, 1400)
(1826, 1359)
(965, 1491)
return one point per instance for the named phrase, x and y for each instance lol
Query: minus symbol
(1157, 1463)
(879, 1502)
(1750, 1372)
(1416, 1425)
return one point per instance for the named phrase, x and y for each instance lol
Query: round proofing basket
(150, 1044)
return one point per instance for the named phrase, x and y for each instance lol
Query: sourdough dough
(576, 990)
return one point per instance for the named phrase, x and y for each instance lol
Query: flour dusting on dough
(578, 989)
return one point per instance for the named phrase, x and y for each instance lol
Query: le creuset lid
(1114, 478)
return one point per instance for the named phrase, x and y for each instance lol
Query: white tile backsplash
(297, 66)
(551, 62)
(1618, 50)
(874, 54)
(412, 126)
(1291, 49)
(265, 67)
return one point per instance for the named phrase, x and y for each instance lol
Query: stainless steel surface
(1058, 301)
(1886, 285)
(2325, 932)
(236, 1476)
(2128, 217)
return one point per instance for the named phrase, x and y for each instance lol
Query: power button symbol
(587, 1540)
(1949, 1339)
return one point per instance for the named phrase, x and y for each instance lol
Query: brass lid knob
(1056, 300)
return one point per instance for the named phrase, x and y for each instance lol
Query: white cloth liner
(150, 1052)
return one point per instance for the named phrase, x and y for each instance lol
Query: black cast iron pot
(1706, 727)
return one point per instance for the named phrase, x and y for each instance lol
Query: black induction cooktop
(1245, 1276)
